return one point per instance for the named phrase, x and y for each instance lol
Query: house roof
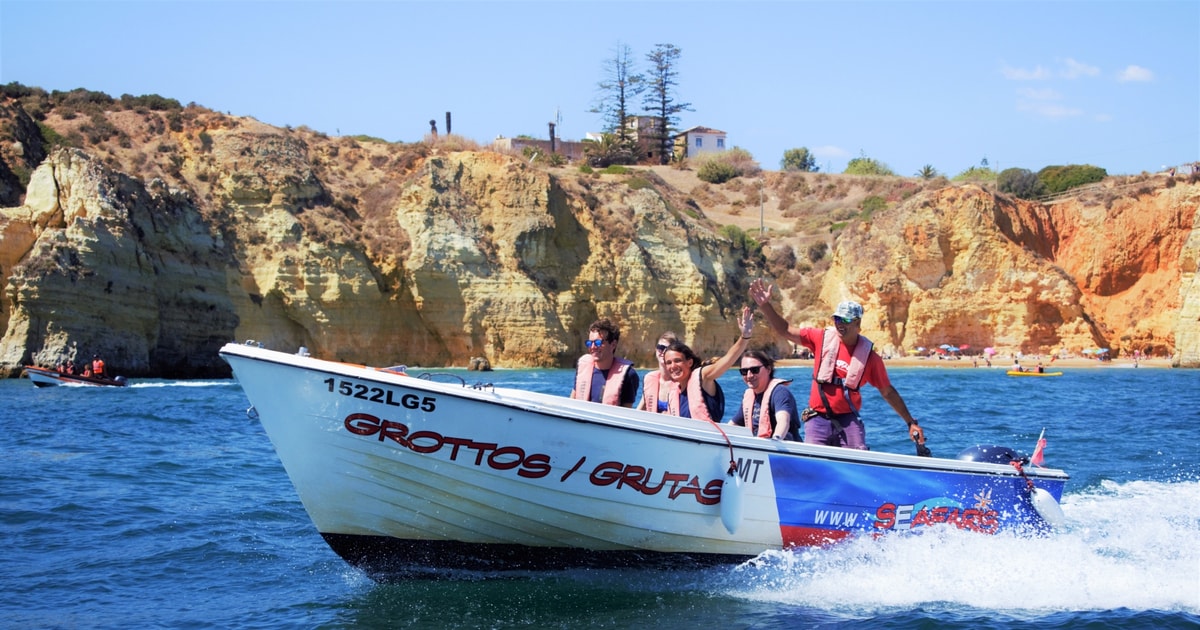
(700, 129)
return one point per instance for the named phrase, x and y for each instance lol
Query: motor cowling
(988, 453)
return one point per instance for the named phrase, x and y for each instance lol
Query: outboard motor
(991, 454)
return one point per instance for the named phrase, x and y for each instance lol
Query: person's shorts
(820, 430)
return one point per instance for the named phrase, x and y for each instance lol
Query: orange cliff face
(963, 266)
(1131, 259)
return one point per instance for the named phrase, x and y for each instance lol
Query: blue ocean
(163, 505)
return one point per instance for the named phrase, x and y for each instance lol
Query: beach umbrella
(945, 346)
(1089, 351)
(964, 347)
(989, 351)
(951, 349)
(914, 352)
(1102, 351)
(920, 348)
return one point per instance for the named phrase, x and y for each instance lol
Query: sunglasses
(594, 343)
(661, 347)
(844, 320)
(750, 370)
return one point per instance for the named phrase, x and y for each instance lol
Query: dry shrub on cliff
(410, 155)
(381, 234)
(708, 196)
(451, 142)
(780, 259)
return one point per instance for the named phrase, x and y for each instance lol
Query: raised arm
(714, 371)
(760, 292)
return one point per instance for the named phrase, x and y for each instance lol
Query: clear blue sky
(1022, 84)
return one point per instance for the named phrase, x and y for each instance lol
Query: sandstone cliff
(964, 266)
(461, 254)
(180, 231)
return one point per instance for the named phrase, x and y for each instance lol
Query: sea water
(163, 505)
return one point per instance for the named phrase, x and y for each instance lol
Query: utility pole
(762, 229)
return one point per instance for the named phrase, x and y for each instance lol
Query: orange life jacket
(764, 408)
(612, 384)
(650, 390)
(823, 370)
(695, 392)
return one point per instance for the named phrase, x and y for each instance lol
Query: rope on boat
(732, 459)
(1018, 464)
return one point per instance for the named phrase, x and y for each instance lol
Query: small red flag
(1039, 457)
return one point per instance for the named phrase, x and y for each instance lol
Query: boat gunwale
(668, 427)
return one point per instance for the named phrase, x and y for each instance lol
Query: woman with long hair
(696, 393)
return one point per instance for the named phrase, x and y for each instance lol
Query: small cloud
(1044, 94)
(830, 151)
(1048, 110)
(1074, 69)
(1135, 73)
(1020, 74)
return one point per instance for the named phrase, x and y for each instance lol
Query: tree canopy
(616, 91)
(867, 166)
(799, 160)
(660, 100)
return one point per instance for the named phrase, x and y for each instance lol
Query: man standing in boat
(844, 361)
(98, 366)
(600, 376)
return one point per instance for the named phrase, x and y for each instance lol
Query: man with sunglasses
(601, 376)
(844, 362)
(767, 402)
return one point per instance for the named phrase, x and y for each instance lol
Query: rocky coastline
(186, 230)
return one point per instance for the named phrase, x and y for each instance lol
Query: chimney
(447, 123)
(552, 138)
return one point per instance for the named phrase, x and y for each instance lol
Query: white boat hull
(401, 474)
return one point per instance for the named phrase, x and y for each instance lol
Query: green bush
(152, 102)
(51, 138)
(586, 169)
(1057, 179)
(1021, 183)
(976, 174)
(716, 172)
(872, 204)
(615, 169)
(867, 166)
(637, 182)
(741, 240)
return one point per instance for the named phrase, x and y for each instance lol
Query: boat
(408, 475)
(1032, 373)
(46, 377)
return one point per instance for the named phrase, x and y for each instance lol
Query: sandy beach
(998, 362)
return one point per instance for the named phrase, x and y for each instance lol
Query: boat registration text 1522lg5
(380, 395)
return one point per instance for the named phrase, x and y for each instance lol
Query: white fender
(731, 501)
(1047, 507)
